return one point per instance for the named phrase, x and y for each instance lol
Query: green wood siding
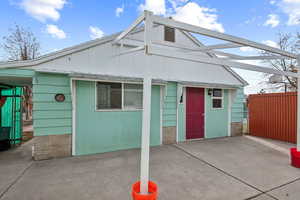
(51, 117)
(17, 72)
(237, 110)
(104, 131)
(170, 105)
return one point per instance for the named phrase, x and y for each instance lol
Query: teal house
(87, 99)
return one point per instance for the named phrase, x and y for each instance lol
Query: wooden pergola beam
(217, 35)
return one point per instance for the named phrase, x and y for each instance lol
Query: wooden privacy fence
(273, 116)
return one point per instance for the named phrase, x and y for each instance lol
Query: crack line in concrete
(16, 180)
(224, 172)
(285, 184)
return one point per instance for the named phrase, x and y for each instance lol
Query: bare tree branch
(21, 44)
(291, 43)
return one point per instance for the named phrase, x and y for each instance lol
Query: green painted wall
(170, 105)
(105, 131)
(51, 117)
(17, 72)
(181, 120)
(237, 111)
(216, 119)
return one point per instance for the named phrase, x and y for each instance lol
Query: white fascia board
(208, 85)
(215, 61)
(218, 35)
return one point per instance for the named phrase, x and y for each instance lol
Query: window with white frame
(119, 96)
(217, 98)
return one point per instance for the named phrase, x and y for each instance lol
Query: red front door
(194, 113)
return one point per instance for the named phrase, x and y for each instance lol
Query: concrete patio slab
(252, 162)
(12, 165)
(263, 197)
(110, 176)
(287, 192)
(228, 168)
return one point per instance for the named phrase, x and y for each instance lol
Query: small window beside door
(169, 34)
(217, 98)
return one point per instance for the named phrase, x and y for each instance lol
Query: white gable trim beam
(221, 46)
(153, 50)
(139, 20)
(227, 68)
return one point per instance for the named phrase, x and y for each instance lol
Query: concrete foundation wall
(236, 128)
(169, 135)
(52, 146)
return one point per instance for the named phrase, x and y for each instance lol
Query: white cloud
(158, 7)
(185, 11)
(247, 49)
(43, 9)
(194, 14)
(55, 32)
(96, 32)
(273, 21)
(176, 3)
(270, 43)
(272, 2)
(119, 11)
(292, 9)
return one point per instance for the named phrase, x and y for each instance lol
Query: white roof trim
(106, 77)
(58, 54)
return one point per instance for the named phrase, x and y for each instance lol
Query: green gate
(11, 113)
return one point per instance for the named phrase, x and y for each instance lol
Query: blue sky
(63, 23)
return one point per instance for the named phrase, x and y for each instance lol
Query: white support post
(147, 85)
(298, 106)
(145, 135)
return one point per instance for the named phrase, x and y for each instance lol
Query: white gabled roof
(86, 45)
